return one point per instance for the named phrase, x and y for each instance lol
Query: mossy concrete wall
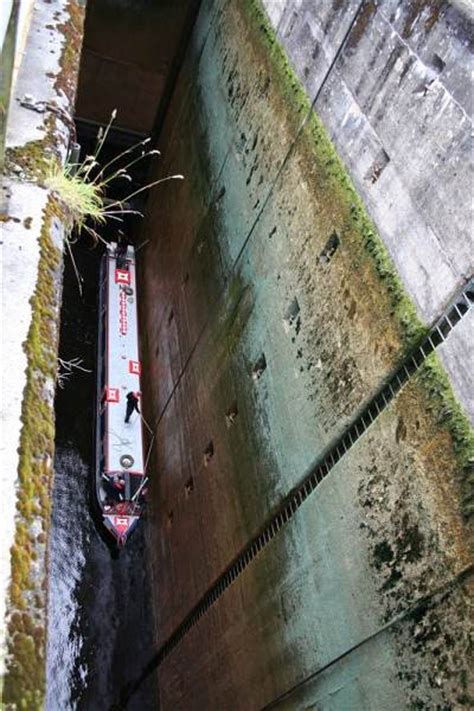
(266, 249)
(33, 230)
(391, 82)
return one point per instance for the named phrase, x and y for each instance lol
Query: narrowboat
(120, 478)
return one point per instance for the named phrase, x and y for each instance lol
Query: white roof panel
(123, 366)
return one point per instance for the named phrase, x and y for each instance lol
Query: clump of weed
(82, 187)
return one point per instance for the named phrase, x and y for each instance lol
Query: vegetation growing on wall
(449, 415)
(334, 185)
(24, 681)
(25, 676)
(333, 182)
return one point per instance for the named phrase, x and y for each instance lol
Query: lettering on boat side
(123, 315)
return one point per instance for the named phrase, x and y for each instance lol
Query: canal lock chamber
(308, 537)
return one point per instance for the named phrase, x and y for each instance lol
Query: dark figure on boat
(114, 487)
(132, 404)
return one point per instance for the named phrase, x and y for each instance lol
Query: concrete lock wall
(272, 314)
(34, 227)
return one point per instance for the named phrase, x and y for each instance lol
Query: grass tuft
(84, 200)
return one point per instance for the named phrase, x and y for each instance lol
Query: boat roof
(123, 368)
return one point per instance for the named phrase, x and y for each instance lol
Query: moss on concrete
(72, 31)
(25, 677)
(233, 319)
(450, 417)
(333, 183)
(24, 682)
(34, 158)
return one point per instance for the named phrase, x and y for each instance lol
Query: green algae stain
(237, 308)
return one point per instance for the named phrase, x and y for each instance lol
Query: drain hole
(220, 194)
(208, 453)
(292, 317)
(328, 252)
(231, 414)
(259, 367)
(292, 312)
(189, 486)
(379, 164)
(437, 63)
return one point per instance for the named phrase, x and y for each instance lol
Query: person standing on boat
(132, 404)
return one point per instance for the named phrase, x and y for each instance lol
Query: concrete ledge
(34, 225)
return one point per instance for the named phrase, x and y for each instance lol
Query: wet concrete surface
(257, 257)
(100, 629)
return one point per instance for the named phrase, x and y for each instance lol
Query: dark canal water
(100, 627)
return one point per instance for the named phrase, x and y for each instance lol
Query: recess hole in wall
(291, 314)
(437, 63)
(259, 367)
(329, 250)
(185, 279)
(208, 453)
(231, 414)
(220, 194)
(170, 317)
(189, 486)
(379, 164)
(169, 519)
(157, 351)
(291, 24)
